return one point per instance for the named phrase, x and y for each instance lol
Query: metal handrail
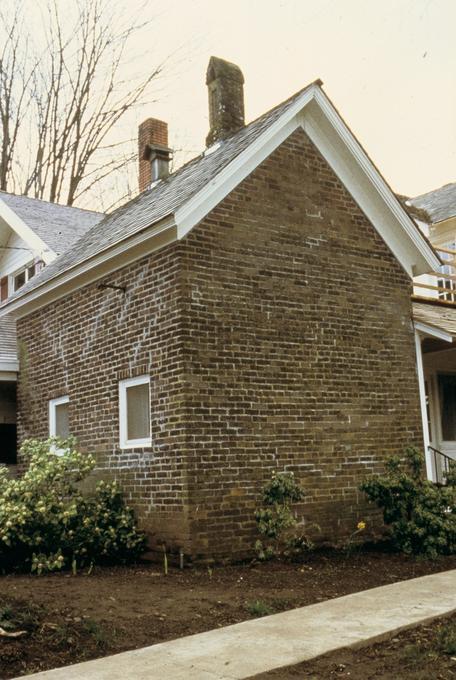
(445, 463)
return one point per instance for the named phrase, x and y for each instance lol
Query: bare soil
(69, 618)
(424, 653)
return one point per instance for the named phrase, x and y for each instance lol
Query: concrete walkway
(252, 647)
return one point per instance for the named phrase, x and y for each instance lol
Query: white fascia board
(432, 331)
(429, 258)
(319, 119)
(197, 207)
(26, 233)
(120, 255)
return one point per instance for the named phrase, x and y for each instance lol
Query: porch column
(424, 418)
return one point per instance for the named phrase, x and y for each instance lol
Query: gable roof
(171, 207)
(439, 204)
(58, 226)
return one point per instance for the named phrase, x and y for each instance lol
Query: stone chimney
(153, 152)
(225, 84)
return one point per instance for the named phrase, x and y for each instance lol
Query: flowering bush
(421, 515)
(276, 521)
(47, 523)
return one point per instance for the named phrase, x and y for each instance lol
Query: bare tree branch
(67, 97)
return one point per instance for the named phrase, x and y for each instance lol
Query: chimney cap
(153, 150)
(220, 68)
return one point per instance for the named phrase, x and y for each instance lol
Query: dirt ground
(424, 653)
(68, 618)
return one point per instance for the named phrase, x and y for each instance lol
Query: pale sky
(389, 66)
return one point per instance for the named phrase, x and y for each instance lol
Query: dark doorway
(8, 444)
(8, 434)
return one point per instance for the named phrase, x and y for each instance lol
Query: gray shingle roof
(439, 204)
(159, 201)
(59, 226)
(8, 351)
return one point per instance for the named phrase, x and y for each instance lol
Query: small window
(19, 280)
(21, 277)
(59, 422)
(134, 412)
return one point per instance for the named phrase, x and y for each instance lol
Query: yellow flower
(361, 526)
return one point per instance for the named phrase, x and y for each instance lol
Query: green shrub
(277, 522)
(48, 523)
(421, 515)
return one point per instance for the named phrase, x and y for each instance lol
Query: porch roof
(438, 316)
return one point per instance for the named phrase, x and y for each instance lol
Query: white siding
(13, 258)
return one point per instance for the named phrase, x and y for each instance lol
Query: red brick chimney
(153, 152)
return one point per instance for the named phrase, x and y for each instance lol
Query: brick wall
(301, 346)
(278, 337)
(82, 346)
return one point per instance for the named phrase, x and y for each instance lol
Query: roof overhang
(311, 111)
(119, 255)
(10, 218)
(433, 331)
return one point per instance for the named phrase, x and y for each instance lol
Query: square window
(59, 422)
(134, 412)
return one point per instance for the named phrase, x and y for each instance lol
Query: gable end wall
(301, 351)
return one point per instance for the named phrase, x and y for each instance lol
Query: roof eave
(25, 232)
(119, 255)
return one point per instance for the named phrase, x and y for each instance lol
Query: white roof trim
(119, 255)
(433, 331)
(312, 111)
(404, 219)
(315, 114)
(26, 233)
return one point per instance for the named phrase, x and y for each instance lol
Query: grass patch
(441, 643)
(259, 608)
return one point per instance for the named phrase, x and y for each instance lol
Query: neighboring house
(249, 313)
(435, 306)
(32, 234)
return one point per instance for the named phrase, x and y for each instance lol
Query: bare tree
(66, 96)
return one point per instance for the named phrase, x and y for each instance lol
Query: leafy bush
(277, 522)
(47, 523)
(421, 515)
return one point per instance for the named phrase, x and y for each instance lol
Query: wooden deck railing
(440, 286)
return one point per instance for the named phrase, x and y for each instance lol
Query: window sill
(135, 444)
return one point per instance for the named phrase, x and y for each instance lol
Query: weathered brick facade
(277, 335)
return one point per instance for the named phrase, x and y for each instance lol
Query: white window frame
(53, 420)
(25, 268)
(124, 442)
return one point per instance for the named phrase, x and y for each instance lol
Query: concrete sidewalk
(252, 647)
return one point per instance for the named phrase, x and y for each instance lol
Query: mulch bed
(69, 618)
(424, 653)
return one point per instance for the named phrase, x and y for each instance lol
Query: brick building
(250, 312)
